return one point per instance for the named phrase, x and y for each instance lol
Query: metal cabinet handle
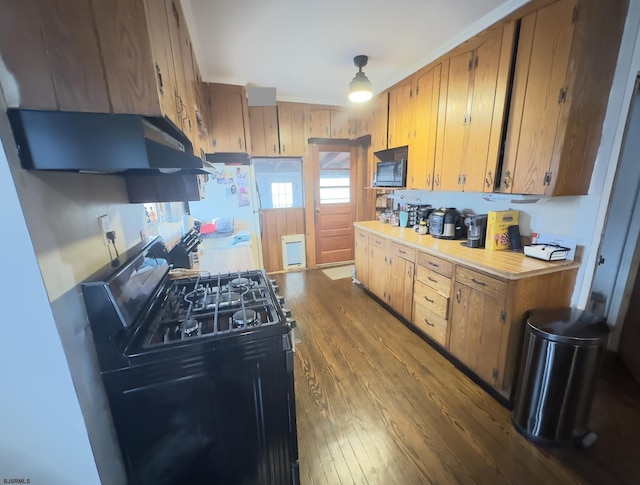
(429, 323)
(429, 180)
(431, 279)
(430, 301)
(459, 295)
(481, 283)
(507, 179)
(436, 180)
(488, 180)
(434, 264)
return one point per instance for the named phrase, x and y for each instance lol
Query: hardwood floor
(376, 404)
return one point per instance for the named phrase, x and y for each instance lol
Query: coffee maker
(476, 230)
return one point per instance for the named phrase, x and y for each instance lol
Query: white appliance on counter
(231, 199)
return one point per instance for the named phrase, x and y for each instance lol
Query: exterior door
(335, 207)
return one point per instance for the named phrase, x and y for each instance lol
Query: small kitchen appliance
(417, 213)
(447, 223)
(476, 230)
(391, 173)
(198, 372)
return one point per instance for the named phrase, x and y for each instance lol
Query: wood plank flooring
(376, 404)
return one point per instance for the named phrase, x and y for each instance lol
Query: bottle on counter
(422, 227)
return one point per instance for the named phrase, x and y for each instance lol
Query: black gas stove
(198, 372)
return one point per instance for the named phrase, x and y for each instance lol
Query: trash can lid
(569, 325)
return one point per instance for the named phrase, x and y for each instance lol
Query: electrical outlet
(103, 224)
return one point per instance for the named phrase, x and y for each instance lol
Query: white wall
(43, 437)
(61, 213)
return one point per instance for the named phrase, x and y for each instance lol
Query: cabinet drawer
(438, 265)
(440, 283)
(483, 283)
(361, 235)
(431, 299)
(377, 241)
(403, 252)
(429, 323)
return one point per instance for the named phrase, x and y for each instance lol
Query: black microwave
(391, 174)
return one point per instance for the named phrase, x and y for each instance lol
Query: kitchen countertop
(504, 263)
(220, 255)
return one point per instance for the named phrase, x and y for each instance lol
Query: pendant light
(360, 88)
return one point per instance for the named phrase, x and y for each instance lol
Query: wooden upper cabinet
(401, 120)
(379, 122)
(52, 56)
(292, 129)
(319, 122)
(475, 110)
(565, 62)
(328, 122)
(420, 169)
(263, 125)
(226, 115)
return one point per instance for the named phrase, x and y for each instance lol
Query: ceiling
(305, 49)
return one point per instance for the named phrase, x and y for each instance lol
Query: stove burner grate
(243, 317)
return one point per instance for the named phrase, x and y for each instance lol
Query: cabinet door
(362, 257)
(291, 128)
(544, 49)
(263, 124)
(477, 321)
(400, 285)
(320, 123)
(379, 122)
(73, 53)
(158, 23)
(342, 124)
(401, 126)
(423, 147)
(125, 46)
(25, 57)
(378, 266)
(455, 126)
(490, 72)
(226, 118)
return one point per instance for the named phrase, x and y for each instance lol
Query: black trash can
(561, 358)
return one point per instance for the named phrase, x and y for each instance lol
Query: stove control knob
(281, 300)
(292, 323)
(287, 312)
(276, 288)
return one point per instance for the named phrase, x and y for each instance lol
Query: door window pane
(279, 182)
(335, 177)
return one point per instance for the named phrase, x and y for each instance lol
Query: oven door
(221, 417)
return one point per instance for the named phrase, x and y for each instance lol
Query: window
(282, 195)
(279, 182)
(335, 177)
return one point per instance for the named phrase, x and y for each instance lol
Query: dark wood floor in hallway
(376, 404)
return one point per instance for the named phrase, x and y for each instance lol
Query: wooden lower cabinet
(478, 320)
(362, 256)
(401, 265)
(378, 266)
(475, 316)
(487, 321)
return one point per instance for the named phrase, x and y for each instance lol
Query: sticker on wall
(224, 177)
(243, 197)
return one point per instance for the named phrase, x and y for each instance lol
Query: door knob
(317, 209)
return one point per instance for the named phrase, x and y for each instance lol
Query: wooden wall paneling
(125, 46)
(24, 55)
(275, 223)
(74, 55)
(309, 176)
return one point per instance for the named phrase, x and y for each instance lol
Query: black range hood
(102, 143)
